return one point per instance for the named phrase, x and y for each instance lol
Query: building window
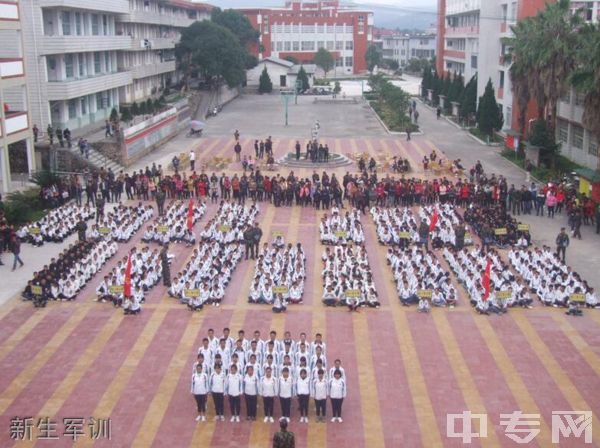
(579, 99)
(508, 121)
(330, 45)
(107, 62)
(566, 98)
(288, 46)
(266, 24)
(501, 83)
(563, 131)
(287, 28)
(65, 17)
(78, 28)
(279, 46)
(339, 28)
(296, 29)
(95, 25)
(81, 64)
(349, 61)
(69, 72)
(97, 65)
(361, 24)
(295, 46)
(349, 45)
(308, 29)
(72, 107)
(577, 137)
(83, 106)
(308, 45)
(320, 29)
(349, 29)
(339, 62)
(593, 147)
(339, 45)
(320, 44)
(473, 61)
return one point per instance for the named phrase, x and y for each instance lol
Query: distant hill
(385, 17)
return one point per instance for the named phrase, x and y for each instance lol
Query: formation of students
(486, 218)
(449, 229)
(172, 225)
(56, 226)
(469, 267)
(229, 223)
(146, 271)
(347, 278)
(279, 267)
(395, 226)
(416, 269)
(272, 369)
(551, 279)
(67, 274)
(337, 228)
(121, 223)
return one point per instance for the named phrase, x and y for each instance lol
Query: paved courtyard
(406, 371)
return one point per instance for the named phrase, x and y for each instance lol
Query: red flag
(190, 216)
(127, 285)
(434, 220)
(486, 280)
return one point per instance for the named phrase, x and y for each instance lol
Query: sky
(387, 13)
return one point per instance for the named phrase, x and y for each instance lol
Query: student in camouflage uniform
(283, 438)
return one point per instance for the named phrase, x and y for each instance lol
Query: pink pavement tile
(14, 319)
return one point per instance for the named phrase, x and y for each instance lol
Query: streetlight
(298, 88)
(286, 96)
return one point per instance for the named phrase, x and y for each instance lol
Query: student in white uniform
(250, 392)
(303, 392)
(269, 390)
(234, 385)
(286, 392)
(200, 391)
(337, 393)
(319, 392)
(217, 390)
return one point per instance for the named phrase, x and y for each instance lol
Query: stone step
(335, 161)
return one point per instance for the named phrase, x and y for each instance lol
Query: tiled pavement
(406, 370)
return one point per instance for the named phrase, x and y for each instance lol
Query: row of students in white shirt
(469, 267)
(391, 222)
(146, 271)
(229, 223)
(279, 267)
(235, 384)
(209, 271)
(345, 269)
(57, 225)
(339, 229)
(417, 269)
(175, 221)
(550, 278)
(448, 219)
(122, 222)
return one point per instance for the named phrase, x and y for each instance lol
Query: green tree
(149, 106)
(586, 77)
(543, 137)
(373, 57)
(468, 99)
(237, 23)
(114, 115)
(391, 64)
(135, 109)
(303, 79)
(324, 60)
(126, 115)
(214, 52)
(264, 83)
(489, 118)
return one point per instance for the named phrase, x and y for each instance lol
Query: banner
(36, 290)
(191, 292)
(424, 293)
(523, 227)
(353, 293)
(280, 289)
(34, 231)
(577, 297)
(116, 289)
(500, 231)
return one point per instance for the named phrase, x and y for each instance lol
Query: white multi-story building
(83, 58)
(402, 48)
(15, 124)
(422, 46)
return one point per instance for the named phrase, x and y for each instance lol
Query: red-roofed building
(300, 28)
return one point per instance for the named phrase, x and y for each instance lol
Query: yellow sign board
(503, 294)
(467, 236)
(162, 229)
(424, 293)
(280, 289)
(34, 231)
(277, 233)
(224, 228)
(404, 235)
(192, 292)
(577, 297)
(341, 233)
(500, 231)
(523, 227)
(104, 230)
(37, 290)
(116, 289)
(353, 293)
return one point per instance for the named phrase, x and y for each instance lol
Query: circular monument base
(335, 161)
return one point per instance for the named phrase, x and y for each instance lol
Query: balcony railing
(153, 43)
(11, 68)
(454, 54)
(76, 44)
(68, 89)
(144, 71)
(456, 30)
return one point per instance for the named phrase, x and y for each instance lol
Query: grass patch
(391, 118)
(481, 136)
(544, 173)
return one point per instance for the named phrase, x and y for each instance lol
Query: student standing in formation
(286, 392)
(268, 390)
(303, 391)
(200, 391)
(233, 389)
(250, 392)
(217, 390)
(337, 393)
(319, 391)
